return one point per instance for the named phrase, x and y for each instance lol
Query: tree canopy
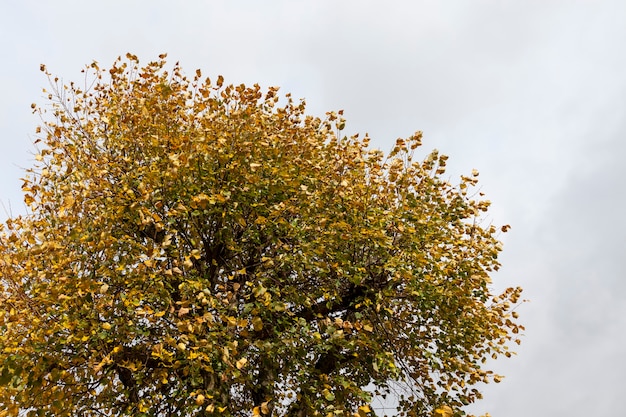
(193, 248)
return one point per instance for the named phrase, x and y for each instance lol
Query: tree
(199, 249)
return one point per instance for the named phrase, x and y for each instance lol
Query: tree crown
(197, 248)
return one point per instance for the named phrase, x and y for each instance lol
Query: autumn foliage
(199, 249)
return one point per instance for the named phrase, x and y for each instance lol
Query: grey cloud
(530, 93)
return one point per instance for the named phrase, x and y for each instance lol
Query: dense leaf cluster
(198, 249)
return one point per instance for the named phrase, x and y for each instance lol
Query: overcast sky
(530, 93)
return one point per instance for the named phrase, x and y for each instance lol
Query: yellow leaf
(241, 363)
(444, 411)
(328, 395)
(133, 366)
(28, 199)
(363, 410)
(257, 323)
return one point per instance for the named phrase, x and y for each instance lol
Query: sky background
(530, 93)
